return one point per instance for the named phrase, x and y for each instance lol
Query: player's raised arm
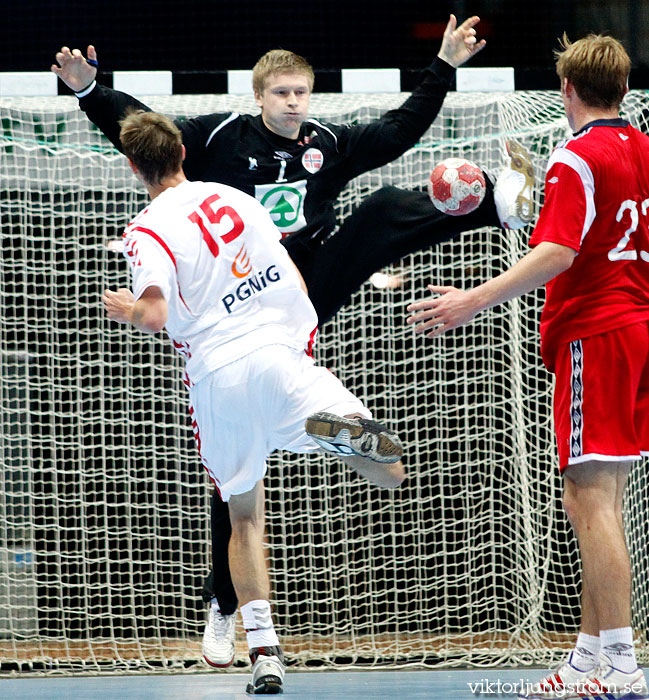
(76, 71)
(103, 106)
(460, 43)
(382, 140)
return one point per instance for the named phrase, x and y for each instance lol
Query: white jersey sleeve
(151, 265)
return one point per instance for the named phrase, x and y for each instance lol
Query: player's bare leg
(592, 499)
(367, 446)
(589, 623)
(252, 584)
(593, 493)
(246, 553)
(388, 476)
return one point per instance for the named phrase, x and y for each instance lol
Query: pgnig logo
(250, 286)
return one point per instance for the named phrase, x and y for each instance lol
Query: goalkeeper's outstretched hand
(74, 69)
(460, 43)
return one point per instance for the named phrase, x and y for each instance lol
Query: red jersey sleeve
(569, 208)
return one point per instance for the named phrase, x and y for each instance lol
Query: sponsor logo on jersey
(242, 265)
(624, 137)
(553, 180)
(285, 204)
(252, 163)
(312, 160)
(250, 287)
(282, 155)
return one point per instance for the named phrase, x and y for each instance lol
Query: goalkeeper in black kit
(296, 167)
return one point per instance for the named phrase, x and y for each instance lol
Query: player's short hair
(154, 144)
(598, 66)
(279, 61)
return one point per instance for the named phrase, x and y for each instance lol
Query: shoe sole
(363, 437)
(521, 162)
(266, 685)
(215, 665)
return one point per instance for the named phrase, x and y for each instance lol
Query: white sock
(215, 605)
(585, 655)
(258, 624)
(617, 644)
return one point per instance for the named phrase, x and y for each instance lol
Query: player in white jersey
(208, 266)
(591, 249)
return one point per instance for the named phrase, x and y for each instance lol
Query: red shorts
(601, 397)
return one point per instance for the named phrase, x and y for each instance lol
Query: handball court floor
(316, 685)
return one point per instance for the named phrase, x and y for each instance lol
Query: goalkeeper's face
(284, 103)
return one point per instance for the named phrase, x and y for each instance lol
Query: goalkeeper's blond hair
(279, 61)
(598, 66)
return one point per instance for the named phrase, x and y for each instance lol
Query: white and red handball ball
(456, 186)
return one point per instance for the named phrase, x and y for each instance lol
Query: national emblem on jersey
(312, 160)
(285, 204)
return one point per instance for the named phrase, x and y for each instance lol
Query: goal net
(104, 508)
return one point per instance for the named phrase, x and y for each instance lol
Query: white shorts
(244, 411)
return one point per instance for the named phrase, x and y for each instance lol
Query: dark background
(211, 37)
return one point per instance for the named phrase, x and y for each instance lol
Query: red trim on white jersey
(157, 238)
(311, 343)
(197, 438)
(167, 250)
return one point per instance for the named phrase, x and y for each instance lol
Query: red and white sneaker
(559, 684)
(218, 638)
(268, 668)
(602, 683)
(611, 683)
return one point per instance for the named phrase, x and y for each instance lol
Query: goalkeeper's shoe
(514, 189)
(605, 682)
(218, 638)
(346, 437)
(268, 669)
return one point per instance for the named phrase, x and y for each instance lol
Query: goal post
(104, 509)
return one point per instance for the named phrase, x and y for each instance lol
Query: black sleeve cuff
(443, 70)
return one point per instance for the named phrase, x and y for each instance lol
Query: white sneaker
(514, 189)
(354, 436)
(603, 682)
(268, 669)
(218, 638)
(610, 683)
(561, 683)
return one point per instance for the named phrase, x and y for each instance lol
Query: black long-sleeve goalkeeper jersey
(297, 180)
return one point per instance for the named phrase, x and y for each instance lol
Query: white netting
(104, 507)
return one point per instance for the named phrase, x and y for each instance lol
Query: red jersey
(596, 202)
